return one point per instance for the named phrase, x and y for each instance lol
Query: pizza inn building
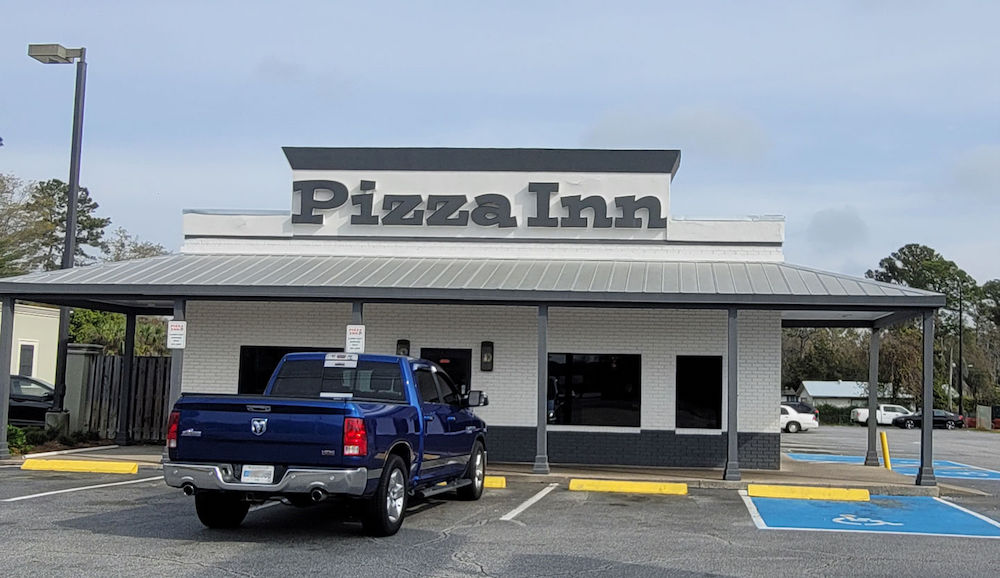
(603, 330)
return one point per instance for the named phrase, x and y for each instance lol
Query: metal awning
(807, 297)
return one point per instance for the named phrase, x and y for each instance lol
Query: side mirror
(476, 398)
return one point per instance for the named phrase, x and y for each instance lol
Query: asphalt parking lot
(141, 526)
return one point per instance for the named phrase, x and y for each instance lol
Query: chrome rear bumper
(295, 481)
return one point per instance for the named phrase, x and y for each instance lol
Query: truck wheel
(385, 510)
(220, 509)
(476, 473)
(792, 427)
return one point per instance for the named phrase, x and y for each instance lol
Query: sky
(868, 125)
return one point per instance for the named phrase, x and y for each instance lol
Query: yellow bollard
(885, 451)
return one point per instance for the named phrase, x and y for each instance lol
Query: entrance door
(456, 362)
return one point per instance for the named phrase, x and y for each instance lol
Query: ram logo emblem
(258, 425)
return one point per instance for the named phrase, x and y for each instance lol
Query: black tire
(792, 427)
(476, 473)
(385, 510)
(220, 509)
(949, 425)
(908, 424)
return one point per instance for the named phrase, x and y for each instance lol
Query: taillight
(355, 437)
(175, 417)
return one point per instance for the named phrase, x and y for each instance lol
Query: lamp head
(54, 53)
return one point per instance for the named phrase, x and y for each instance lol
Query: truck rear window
(309, 378)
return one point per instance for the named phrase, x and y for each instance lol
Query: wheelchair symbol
(852, 520)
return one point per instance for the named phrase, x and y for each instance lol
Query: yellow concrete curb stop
(665, 488)
(808, 493)
(495, 482)
(84, 466)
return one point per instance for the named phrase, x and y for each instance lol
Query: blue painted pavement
(883, 514)
(908, 466)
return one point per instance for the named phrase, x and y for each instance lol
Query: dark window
(594, 389)
(311, 379)
(448, 389)
(784, 411)
(699, 391)
(257, 363)
(427, 387)
(26, 359)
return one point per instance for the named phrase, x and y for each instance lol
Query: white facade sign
(355, 342)
(176, 334)
(502, 205)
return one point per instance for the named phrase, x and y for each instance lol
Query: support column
(6, 348)
(176, 360)
(871, 457)
(732, 471)
(542, 451)
(925, 476)
(358, 313)
(127, 392)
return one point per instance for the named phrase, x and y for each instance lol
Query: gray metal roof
(153, 282)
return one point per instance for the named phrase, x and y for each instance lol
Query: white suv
(793, 421)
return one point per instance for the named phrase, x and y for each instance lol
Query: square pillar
(925, 475)
(541, 465)
(6, 347)
(176, 361)
(871, 456)
(732, 471)
(127, 385)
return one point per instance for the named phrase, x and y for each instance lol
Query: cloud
(711, 132)
(836, 229)
(977, 171)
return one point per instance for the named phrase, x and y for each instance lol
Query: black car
(30, 398)
(942, 418)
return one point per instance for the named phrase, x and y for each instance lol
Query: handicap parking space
(919, 515)
(908, 466)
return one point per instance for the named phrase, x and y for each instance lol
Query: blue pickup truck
(375, 429)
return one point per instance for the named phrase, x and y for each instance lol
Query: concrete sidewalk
(876, 480)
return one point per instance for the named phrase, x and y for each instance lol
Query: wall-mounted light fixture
(403, 347)
(486, 356)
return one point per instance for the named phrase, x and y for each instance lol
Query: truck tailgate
(260, 430)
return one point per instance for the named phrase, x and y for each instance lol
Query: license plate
(257, 474)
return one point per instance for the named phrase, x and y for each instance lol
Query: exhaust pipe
(317, 495)
(189, 489)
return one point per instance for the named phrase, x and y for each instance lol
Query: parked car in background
(30, 398)
(941, 418)
(884, 413)
(802, 407)
(793, 421)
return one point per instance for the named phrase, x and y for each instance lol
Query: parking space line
(264, 505)
(80, 489)
(754, 514)
(990, 521)
(528, 503)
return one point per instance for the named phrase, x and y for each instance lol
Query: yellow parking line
(495, 482)
(808, 493)
(86, 466)
(675, 489)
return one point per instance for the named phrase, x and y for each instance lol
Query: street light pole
(961, 362)
(58, 54)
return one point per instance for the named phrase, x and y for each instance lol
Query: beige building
(36, 338)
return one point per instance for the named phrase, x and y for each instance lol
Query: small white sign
(176, 334)
(355, 339)
(340, 360)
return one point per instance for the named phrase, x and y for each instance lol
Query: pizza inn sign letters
(319, 197)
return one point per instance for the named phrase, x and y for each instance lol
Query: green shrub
(16, 440)
(833, 415)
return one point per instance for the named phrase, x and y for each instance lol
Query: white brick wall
(216, 330)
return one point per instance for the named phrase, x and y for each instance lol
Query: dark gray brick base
(758, 451)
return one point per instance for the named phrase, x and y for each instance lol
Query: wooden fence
(150, 383)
